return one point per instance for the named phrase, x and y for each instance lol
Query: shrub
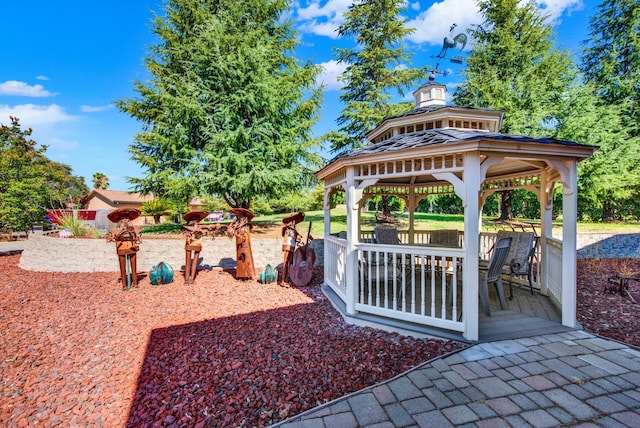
(157, 208)
(75, 226)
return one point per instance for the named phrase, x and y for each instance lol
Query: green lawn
(423, 221)
(427, 221)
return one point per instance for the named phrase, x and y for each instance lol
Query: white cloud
(329, 76)
(328, 29)
(31, 115)
(95, 109)
(329, 9)
(555, 8)
(14, 87)
(414, 6)
(322, 17)
(41, 77)
(433, 24)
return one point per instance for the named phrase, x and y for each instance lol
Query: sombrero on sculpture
(295, 217)
(196, 216)
(123, 213)
(242, 212)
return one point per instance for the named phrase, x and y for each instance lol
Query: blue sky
(65, 63)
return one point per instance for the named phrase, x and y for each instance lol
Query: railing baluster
(454, 290)
(443, 266)
(432, 267)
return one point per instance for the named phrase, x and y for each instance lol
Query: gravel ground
(606, 313)
(76, 350)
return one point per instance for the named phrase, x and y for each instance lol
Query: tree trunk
(506, 209)
(608, 211)
(386, 206)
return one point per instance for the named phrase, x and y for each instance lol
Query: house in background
(104, 201)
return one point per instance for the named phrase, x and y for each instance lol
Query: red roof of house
(120, 196)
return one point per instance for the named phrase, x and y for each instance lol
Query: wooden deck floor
(527, 315)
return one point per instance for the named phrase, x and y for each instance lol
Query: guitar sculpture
(301, 270)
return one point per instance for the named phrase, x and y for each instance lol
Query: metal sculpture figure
(240, 228)
(290, 237)
(193, 245)
(127, 238)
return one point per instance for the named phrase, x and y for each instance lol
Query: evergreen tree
(611, 59)
(157, 208)
(514, 67)
(611, 65)
(65, 189)
(375, 70)
(374, 73)
(228, 110)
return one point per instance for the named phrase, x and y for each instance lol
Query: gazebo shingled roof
(432, 137)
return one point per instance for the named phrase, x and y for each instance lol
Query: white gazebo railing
(419, 284)
(411, 283)
(335, 262)
(554, 271)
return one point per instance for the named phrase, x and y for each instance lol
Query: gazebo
(414, 284)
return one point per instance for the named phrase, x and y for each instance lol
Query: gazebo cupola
(431, 94)
(431, 113)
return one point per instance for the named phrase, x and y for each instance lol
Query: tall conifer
(228, 110)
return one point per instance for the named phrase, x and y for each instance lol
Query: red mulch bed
(604, 313)
(76, 350)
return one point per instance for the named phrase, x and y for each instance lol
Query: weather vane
(447, 44)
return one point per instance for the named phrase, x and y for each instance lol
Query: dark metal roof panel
(432, 137)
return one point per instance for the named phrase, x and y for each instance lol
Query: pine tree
(375, 70)
(514, 67)
(611, 65)
(229, 109)
(611, 58)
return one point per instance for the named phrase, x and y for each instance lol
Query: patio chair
(445, 237)
(521, 258)
(386, 235)
(493, 273)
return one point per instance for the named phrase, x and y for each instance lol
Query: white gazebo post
(569, 246)
(351, 274)
(545, 197)
(470, 196)
(327, 210)
(411, 207)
